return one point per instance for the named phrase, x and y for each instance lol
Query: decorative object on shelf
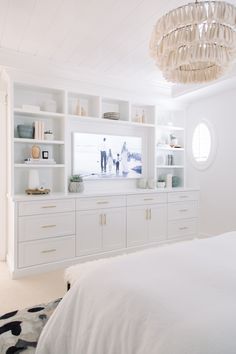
(30, 108)
(33, 181)
(161, 183)
(173, 140)
(151, 183)
(112, 115)
(170, 160)
(83, 112)
(176, 181)
(25, 131)
(35, 152)
(45, 154)
(78, 108)
(39, 130)
(48, 135)
(32, 161)
(76, 184)
(37, 191)
(50, 106)
(196, 42)
(143, 117)
(169, 180)
(142, 183)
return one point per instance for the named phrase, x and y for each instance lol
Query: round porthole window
(203, 145)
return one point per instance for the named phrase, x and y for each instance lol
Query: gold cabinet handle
(147, 199)
(146, 213)
(48, 206)
(49, 251)
(183, 210)
(183, 228)
(48, 226)
(150, 214)
(101, 219)
(105, 219)
(102, 202)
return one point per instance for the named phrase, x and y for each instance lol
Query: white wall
(218, 182)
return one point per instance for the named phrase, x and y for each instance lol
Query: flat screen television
(107, 156)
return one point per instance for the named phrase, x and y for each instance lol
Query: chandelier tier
(196, 42)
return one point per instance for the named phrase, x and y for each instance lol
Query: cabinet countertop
(104, 193)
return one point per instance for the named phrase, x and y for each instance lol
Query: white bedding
(175, 299)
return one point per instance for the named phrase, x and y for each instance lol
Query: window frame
(203, 165)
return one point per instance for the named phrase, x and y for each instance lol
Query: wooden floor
(33, 290)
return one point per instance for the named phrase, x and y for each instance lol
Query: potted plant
(161, 183)
(76, 184)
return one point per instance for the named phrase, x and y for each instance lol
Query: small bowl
(25, 131)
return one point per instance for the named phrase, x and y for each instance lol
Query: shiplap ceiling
(107, 38)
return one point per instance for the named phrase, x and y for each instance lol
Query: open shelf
(36, 141)
(169, 148)
(40, 114)
(24, 165)
(170, 166)
(118, 106)
(83, 105)
(109, 121)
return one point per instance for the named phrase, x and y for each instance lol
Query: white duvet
(175, 299)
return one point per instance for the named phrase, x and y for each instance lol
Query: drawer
(181, 228)
(182, 196)
(44, 226)
(46, 251)
(46, 207)
(182, 210)
(100, 202)
(145, 199)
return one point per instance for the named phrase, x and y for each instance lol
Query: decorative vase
(33, 182)
(76, 187)
(161, 184)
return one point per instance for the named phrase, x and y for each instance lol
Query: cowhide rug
(20, 330)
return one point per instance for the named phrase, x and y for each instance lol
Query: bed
(174, 299)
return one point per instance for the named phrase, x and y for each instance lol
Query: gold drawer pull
(102, 202)
(49, 251)
(49, 206)
(146, 199)
(183, 228)
(105, 219)
(183, 210)
(48, 226)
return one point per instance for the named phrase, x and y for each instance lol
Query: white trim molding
(3, 177)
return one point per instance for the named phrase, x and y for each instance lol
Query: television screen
(107, 156)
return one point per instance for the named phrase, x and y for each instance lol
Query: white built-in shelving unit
(73, 111)
(78, 111)
(170, 123)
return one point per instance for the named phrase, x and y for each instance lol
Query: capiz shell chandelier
(195, 43)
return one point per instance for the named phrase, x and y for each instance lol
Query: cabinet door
(88, 232)
(137, 225)
(114, 227)
(157, 225)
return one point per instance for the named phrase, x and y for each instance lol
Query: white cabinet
(137, 227)
(146, 224)
(100, 230)
(88, 232)
(157, 223)
(114, 229)
(51, 231)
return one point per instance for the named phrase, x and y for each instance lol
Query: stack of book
(39, 130)
(32, 161)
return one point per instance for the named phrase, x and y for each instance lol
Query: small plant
(161, 179)
(76, 178)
